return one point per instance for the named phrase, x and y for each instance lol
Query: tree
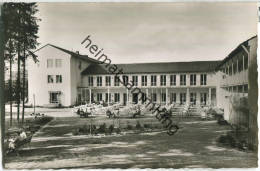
(9, 19)
(22, 29)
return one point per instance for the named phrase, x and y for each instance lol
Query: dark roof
(234, 52)
(169, 67)
(74, 54)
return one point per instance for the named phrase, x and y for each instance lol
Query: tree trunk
(23, 90)
(11, 92)
(18, 84)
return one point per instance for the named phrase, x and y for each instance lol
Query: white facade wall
(38, 73)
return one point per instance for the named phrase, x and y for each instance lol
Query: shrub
(102, 128)
(111, 129)
(138, 125)
(147, 126)
(75, 132)
(129, 127)
(118, 130)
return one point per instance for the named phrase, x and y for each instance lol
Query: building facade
(66, 78)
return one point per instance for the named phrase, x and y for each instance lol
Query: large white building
(63, 77)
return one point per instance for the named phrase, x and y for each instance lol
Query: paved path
(193, 146)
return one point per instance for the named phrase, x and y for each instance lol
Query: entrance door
(125, 99)
(135, 98)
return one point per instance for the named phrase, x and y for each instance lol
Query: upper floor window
(99, 81)
(230, 69)
(193, 79)
(50, 79)
(108, 81)
(125, 79)
(183, 79)
(58, 63)
(173, 80)
(80, 63)
(245, 61)
(144, 80)
(49, 63)
(90, 81)
(203, 79)
(135, 80)
(153, 80)
(163, 80)
(116, 81)
(58, 79)
(235, 66)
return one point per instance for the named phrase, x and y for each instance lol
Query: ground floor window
(143, 97)
(203, 98)
(154, 97)
(108, 96)
(99, 97)
(173, 98)
(183, 98)
(54, 97)
(163, 96)
(246, 88)
(117, 97)
(193, 98)
(92, 97)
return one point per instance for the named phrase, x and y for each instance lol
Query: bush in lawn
(111, 129)
(42, 120)
(75, 132)
(138, 125)
(147, 126)
(118, 130)
(102, 128)
(129, 127)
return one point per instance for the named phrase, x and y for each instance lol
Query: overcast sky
(150, 32)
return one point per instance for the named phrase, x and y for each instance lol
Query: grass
(193, 146)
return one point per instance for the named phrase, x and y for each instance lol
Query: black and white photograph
(129, 85)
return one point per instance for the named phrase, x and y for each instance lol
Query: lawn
(194, 145)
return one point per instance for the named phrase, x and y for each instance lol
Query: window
(99, 97)
(203, 98)
(125, 79)
(183, 98)
(229, 69)
(240, 64)
(183, 79)
(245, 61)
(117, 97)
(99, 81)
(203, 79)
(163, 80)
(90, 81)
(153, 80)
(246, 88)
(193, 98)
(173, 80)
(49, 63)
(173, 98)
(54, 97)
(58, 79)
(163, 96)
(193, 79)
(108, 95)
(50, 79)
(234, 66)
(144, 80)
(154, 97)
(108, 81)
(58, 63)
(135, 80)
(116, 81)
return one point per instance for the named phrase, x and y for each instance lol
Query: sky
(150, 32)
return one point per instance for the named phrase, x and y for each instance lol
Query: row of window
(236, 66)
(50, 63)
(50, 78)
(203, 80)
(173, 99)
